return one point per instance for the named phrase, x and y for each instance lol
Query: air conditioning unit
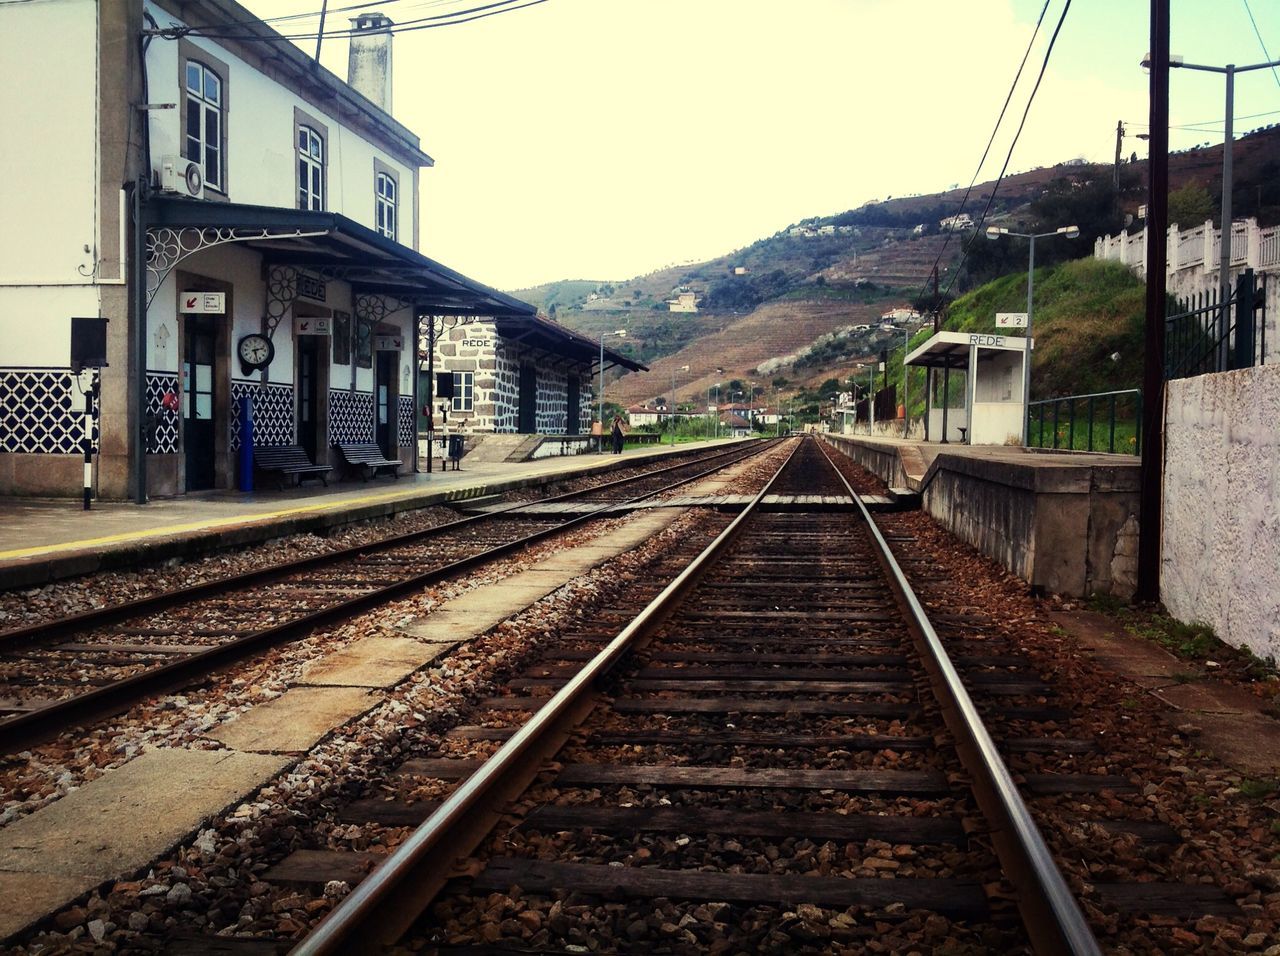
(182, 176)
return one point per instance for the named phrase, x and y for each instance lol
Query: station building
(519, 374)
(245, 221)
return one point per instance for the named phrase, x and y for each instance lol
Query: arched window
(386, 200)
(310, 169)
(205, 106)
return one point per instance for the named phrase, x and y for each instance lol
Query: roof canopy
(540, 332)
(342, 249)
(951, 349)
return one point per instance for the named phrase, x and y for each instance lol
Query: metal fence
(1205, 336)
(1101, 421)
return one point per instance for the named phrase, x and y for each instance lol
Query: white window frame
(386, 204)
(464, 391)
(205, 107)
(310, 155)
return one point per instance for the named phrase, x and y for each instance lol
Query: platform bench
(369, 459)
(289, 460)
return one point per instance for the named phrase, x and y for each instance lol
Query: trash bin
(455, 449)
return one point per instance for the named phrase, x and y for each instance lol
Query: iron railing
(1204, 336)
(1101, 421)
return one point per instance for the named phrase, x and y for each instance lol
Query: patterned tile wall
(351, 416)
(162, 433)
(406, 422)
(273, 416)
(40, 412)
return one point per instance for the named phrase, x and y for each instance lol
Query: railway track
(89, 665)
(775, 754)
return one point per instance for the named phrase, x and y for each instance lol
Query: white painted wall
(49, 142)
(35, 324)
(260, 134)
(1221, 537)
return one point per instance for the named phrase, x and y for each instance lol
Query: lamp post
(995, 232)
(682, 368)
(603, 335)
(1229, 71)
(906, 347)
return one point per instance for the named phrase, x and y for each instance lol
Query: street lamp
(995, 232)
(906, 347)
(620, 333)
(682, 368)
(719, 371)
(1228, 147)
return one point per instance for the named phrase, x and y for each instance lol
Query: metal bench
(369, 459)
(289, 460)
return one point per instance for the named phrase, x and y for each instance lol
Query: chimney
(369, 59)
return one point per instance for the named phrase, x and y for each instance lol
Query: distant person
(618, 434)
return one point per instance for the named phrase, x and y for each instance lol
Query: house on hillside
(901, 315)
(956, 223)
(683, 302)
(827, 230)
(740, 270)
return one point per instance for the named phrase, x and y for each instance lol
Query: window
(341, 338)
(310, 169)
(204, 121)
(463, 391)
(385, 201)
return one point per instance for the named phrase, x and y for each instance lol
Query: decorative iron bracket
(166, 247)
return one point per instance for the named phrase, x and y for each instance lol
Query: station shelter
(523, 374)
(991, 406)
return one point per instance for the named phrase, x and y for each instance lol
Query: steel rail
(387, 901)
(30, 727)
(1050, 911)
(97, 617)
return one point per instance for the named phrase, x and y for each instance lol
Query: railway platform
(44, 540)
(1064, 522)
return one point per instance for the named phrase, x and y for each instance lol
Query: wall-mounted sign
(203, 303)
(476, 343)
(312, 325)
(388, 343)
(309, 287)
(1011, 320)
(996, 341)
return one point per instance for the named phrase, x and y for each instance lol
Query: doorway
(575, 406)
(311, 349)
(200, 337)
(384, 389)
(528, 418)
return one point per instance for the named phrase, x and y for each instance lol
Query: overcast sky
(604, 138)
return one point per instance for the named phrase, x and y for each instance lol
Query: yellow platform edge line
(197, 526)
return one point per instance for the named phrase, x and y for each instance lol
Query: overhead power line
(994, 130)
(1261, 42)
(1008, 156)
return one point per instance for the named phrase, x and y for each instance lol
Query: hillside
(803, 287)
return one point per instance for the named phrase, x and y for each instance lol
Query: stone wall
(1221, 537)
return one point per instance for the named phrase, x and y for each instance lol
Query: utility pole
(1115, 175)
(1151, 474)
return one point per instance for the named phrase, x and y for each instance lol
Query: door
(575, 406)
(528, 400)
(309, 433)
(200, 336)
(385, 399)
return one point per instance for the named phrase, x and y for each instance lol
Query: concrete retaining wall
(1063, 522)
(1221, 536)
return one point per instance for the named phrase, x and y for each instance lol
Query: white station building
(245, 221)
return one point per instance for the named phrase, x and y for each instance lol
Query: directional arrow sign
(1011, 320)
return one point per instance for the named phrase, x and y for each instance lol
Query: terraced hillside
(774, 329)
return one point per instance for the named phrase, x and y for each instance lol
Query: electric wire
(1261, 42)
(964, 255)
(452, 18)
(995, 130)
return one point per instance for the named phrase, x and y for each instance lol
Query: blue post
(246, 443)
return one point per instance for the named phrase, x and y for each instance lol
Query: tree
(1190, 206)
